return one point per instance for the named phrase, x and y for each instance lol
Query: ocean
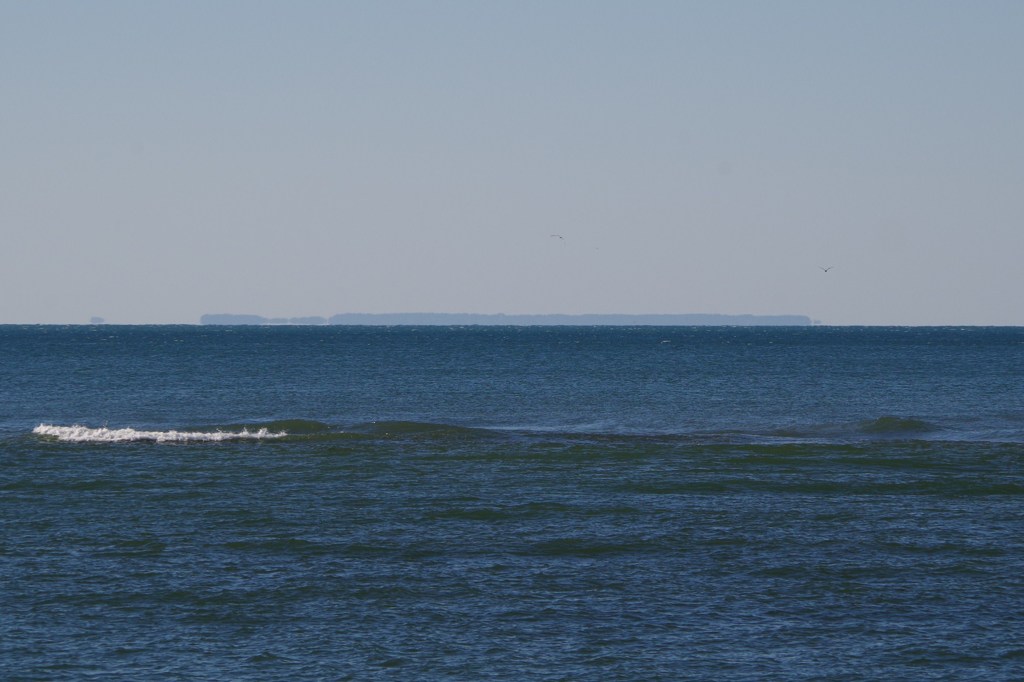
(511, 503)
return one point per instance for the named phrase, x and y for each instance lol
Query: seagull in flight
(559, 236)
(826, 269)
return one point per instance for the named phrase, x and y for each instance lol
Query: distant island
(497, 319)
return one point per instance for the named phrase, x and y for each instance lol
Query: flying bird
(559, 236)
(826, 269)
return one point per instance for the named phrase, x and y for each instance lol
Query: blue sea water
(507, 503)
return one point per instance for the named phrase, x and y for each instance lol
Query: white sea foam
(84, 434)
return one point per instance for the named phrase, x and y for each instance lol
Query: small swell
(881, 427)
(578, 547)
(896, 425)
(83, 434)
(411, 429)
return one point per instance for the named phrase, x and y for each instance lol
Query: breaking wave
(886, 428)
(83, 434)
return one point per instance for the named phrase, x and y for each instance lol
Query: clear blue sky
(159, 161)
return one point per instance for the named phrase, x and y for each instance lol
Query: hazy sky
(159, 161)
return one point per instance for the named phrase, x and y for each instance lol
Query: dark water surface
(481, 503)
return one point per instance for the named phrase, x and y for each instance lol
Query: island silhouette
(497, 319)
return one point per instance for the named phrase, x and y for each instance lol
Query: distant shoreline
(499, 319)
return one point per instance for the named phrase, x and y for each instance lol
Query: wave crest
(413, 429)
(891, 424)
(84, 434)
